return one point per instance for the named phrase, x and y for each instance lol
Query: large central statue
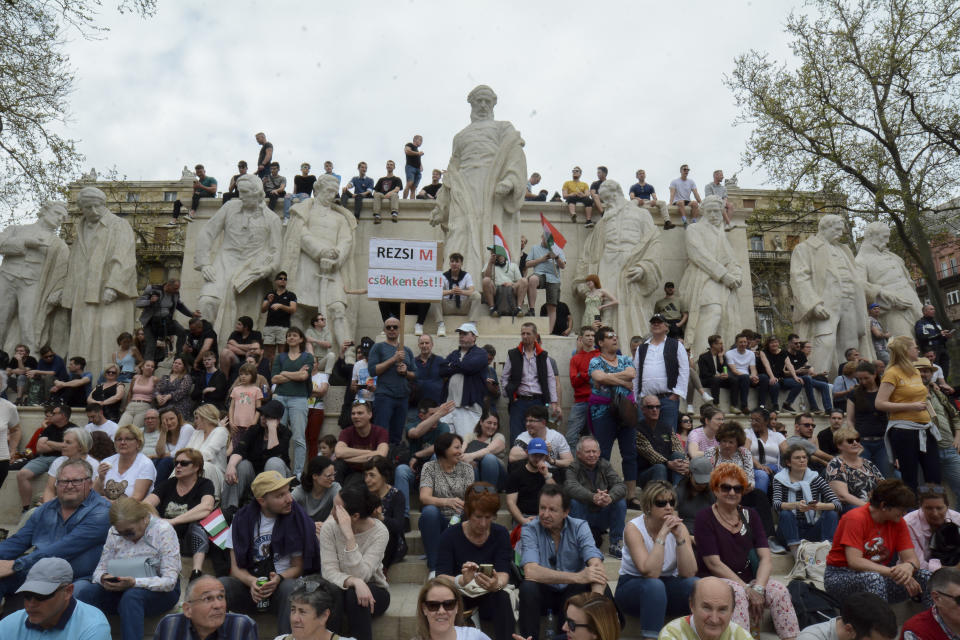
(888, 281)
(830, 301)
(249, 253)
(624, 253)
(484, 184)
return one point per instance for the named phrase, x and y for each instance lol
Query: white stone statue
(236, 274)
(101, 282)
(91, 176)
(31, 275)
(888, 281)
(829, 297)
(484, 184)
(710, 282)
(623, 251)
(186, 174)
(317, 247)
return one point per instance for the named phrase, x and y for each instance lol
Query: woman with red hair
(726, 533)
(593, 301)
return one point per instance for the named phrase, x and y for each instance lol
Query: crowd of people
(693, 508)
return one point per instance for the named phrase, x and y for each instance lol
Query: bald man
(711, 604)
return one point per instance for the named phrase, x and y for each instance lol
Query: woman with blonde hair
(910, 431)
(138, 543)
(440, 613)
(128, 471)
(210, 438)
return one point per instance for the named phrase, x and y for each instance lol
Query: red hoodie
(579, 374)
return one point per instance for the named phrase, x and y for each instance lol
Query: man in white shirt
(683, 191)
(742, 369)
(663, 370)
(97, 422)
(558, 449)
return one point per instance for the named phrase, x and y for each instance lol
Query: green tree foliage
(867, 107)
(36, 80)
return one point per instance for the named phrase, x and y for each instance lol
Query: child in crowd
(245, 398)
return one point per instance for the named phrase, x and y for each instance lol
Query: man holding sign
(391, 362)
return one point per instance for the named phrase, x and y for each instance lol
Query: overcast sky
(625, 84)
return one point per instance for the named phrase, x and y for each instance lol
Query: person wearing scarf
(798, 491)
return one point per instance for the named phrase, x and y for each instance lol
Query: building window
(953, 266)
(756, 243)
(749, 203)
(160, 235)
(133, 196)
(953, 297)
(765, 322)
(169, 196)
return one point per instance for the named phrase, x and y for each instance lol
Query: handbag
(945, 544)
(134, 567)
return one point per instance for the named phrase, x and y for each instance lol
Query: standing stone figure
(484, 184)
(829, 297)
(31, 275)
(624, 252)
(249, 253)
(101, 282)
(888, 281)
(317, 247)
(710, 281)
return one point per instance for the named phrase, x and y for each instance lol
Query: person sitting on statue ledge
(233, 191)
(388, 187)
(539, 196)
(302, 190)
(359, 187)
(274, 185)
(429, 192)
(502, 278)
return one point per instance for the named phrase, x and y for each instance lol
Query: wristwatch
(758, 588)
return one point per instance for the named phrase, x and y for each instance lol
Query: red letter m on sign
(426, 254)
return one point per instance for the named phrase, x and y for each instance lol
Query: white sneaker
(689, 408)
(418, 329)
(706, 396)
(441, 330)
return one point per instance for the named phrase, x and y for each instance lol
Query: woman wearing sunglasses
(726, 533)
(851, 476)
(310, 608)
(809, 510)
(109, 394)
(137, 537)
(476, 554)
(658, 567)
(352, 543)
(183, 501)
(440, 613)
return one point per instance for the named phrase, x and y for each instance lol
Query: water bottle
(550, 631)
(455, 518)
(265, 603)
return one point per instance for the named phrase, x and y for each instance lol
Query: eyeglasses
(853, 440)
(684, 419)
(125, 440)
(359, 401)
(662, 503)
(956, 599)
(808, 424)
(434, 605)
(727, 488)
(573, 625)
(652, 407)
(481, 489)
(72, 482)
(184, 463)
(932, 488)
(210, 598)
(392, 327)
(43, 598)
(110, 373)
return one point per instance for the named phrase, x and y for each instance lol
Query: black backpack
(812, 605)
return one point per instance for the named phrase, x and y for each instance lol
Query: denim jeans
(491, 470)
(432, 524)
(950, 469)
(295, 417)
(289, 199)
(606, 429)
(403, 479)
(669, 412)
(612, 517)
(653, 599)
(876, 452)
(762, 480)
(133, 605)
(660, 472)
(576, 421)
(391, 414)
(794, 527)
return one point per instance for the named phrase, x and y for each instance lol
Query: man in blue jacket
(465, 373)
(72, 526)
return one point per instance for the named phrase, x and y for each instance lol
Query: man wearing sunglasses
(72, 526)
(942, 620)
(50, 610)
(392, 364)
(803, 427)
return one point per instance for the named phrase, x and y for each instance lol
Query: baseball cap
(268, 481)
(272, 409)
(657, 317)
(537, 445)
(872, 305)
(46, 576)
(700, 469)
(468, 327)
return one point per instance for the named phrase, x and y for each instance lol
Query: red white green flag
(550, 232)
(499, 244)
(216, 526)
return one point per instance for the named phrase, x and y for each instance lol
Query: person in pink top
(705, 437)
(245, 398)
(925, 521)
(141, 395)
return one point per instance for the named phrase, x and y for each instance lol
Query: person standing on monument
(662, 370)
(33, 269)
(683, 190)
(528, 379)
(159, 302)
(265, 156)
(414, 166)
(931, 336)
(101, 281)
(279, 304)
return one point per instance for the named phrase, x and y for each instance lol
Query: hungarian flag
(499, 244)
(217, 527)
(550, 232)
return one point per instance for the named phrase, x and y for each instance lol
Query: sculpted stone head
(831, 228)
(482, 100)
(52, 214)
(610, 192)
(250, 188)
(325, 188)
(93, 203)
(877, 235)
(712, 208)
